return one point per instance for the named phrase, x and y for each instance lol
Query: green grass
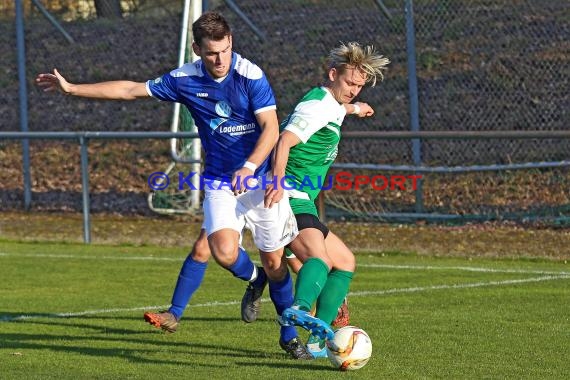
(427, 318)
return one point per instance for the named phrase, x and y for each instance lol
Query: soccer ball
(350, 348)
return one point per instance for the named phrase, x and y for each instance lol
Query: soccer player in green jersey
(307, 147)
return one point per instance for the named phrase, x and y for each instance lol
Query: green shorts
(303, 206)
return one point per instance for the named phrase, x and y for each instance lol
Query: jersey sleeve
(307, 119)
(164, 88)
(261, 95)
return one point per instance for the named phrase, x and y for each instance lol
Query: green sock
(311, 280)
(333, 294)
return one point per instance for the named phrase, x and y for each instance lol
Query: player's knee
(351, 262)
(275, 269)
(272, 267)
(201, 251)
(225, 253)
(345, 262)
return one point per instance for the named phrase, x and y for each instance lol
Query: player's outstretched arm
(119, 90)
(359, 108)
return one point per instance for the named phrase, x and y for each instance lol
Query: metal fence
(479, 66)
(84, 138)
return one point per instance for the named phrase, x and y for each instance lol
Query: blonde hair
(365, 59)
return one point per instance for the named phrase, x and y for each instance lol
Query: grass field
(75, 311)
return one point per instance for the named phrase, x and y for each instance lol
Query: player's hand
(243, 180)
(272, 195)
(365, 109)
(53, 82)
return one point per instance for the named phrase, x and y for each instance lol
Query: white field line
(463, 268)
(459, 286)
(76, 257)
(386, 266)
(351, 294)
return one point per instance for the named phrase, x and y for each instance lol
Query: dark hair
(210, 25)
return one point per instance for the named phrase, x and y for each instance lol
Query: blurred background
(479, 65)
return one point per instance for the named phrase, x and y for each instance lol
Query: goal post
(184, 152)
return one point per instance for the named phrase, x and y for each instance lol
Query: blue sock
(243, 268)
(189, 281)
(288, 333)
(281, 293)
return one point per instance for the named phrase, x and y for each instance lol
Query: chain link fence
(298, 37)
(139, 46)
(493, 65)
(481, 65)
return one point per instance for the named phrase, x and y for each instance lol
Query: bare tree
(108, 8)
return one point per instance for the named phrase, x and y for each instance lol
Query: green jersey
(316, 120)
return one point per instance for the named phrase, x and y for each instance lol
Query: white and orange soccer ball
(350, 349)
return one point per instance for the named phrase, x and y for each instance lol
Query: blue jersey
(224, 112)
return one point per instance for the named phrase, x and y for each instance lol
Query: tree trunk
(108, 8)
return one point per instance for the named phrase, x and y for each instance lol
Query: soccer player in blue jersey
(234, 108)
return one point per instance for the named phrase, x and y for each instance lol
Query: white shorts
(272, 228)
